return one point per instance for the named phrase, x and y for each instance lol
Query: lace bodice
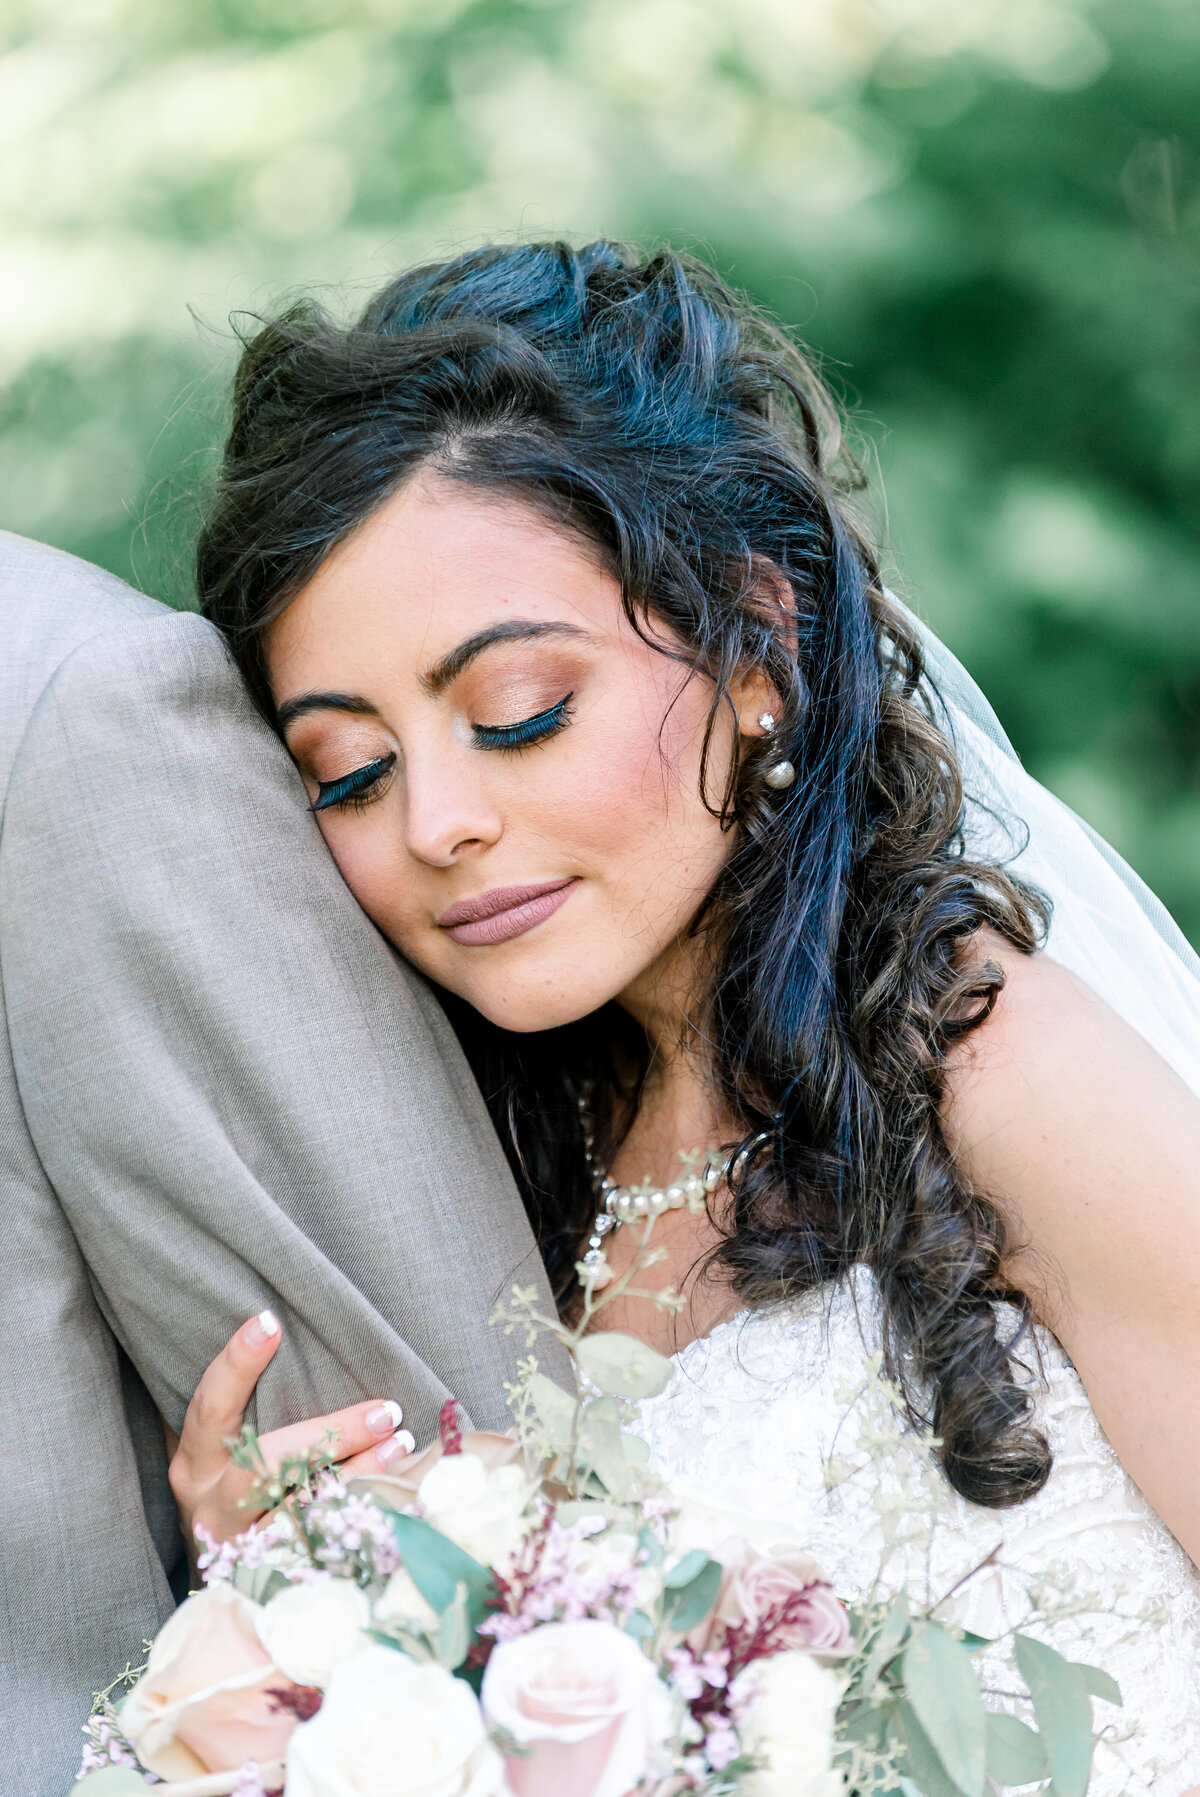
(774, 1427)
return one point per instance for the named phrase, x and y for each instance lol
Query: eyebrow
(291, 709)
(516, 630)
(436, 679)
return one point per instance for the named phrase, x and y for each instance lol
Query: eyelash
(528, 732)
(354, 790)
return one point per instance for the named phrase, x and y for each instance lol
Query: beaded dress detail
(769, 1421)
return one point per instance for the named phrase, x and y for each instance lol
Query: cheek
(628, 802)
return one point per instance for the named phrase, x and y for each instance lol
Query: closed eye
(355, 789)
(528, 731)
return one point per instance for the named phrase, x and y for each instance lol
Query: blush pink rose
(585, 1703)
(755, 1585)
(204, 1702)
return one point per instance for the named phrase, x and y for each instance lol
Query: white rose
(308, 1630)
(400, 1601)
(585, 1703)
(790, 1727)
(481, 1509)
(391, 1728)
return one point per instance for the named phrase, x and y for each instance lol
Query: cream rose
(204, 1702)
(309, 1629)
(585, 1702)
(790, 1726)
(391, 1728)
(479, 1507)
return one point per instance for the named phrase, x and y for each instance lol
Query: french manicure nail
(262, 1329)
(385, 1419)
(401, 1444)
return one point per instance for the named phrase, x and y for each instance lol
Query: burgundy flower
(301, 1701)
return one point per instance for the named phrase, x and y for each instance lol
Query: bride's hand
(210, 1490)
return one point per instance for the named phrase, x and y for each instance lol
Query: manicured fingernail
(386, 1419)
(261, 1329)
(397, 1448)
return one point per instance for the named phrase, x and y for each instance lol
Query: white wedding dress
(770, 1420)
(761, 1411)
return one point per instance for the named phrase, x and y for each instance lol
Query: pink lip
(504, 912)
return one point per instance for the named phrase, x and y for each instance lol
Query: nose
(447, 812)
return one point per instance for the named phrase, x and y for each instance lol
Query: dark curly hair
(636, 402)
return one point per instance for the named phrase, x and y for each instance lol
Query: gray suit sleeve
(81, 1585)
(239, 1093)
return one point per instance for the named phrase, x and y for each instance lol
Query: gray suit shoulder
(51, 603)
(62, 584)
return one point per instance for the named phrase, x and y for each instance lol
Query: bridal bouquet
(532, 1615)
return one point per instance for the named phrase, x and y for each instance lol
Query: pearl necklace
(634, 1204)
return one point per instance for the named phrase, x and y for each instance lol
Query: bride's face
(506, 774)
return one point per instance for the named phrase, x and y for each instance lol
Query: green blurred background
(984, 215)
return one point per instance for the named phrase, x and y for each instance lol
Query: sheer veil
(1107, 926)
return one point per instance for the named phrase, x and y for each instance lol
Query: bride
(544, 573)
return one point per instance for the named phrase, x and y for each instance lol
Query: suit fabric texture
(220, 1089)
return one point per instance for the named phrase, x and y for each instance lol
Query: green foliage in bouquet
(913, 1717)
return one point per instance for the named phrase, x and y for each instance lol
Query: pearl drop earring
(780, 773)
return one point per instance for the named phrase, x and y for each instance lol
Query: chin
(524, 1009)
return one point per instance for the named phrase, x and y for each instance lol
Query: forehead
(434, 564)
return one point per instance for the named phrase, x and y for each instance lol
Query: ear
(754, 698)
(752, 693)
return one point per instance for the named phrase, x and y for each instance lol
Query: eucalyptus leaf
(867, 1724)
(922, 1763)
(1098, 1682)
(1015, 1755)
(260, 1583)
(622, 1366)
(685, 1570)
(651, 1547)
(601, 1447)
(438, 1566)
(637, 1451)
(639, 1625)
(401, 1640)
(886, 1645)
(687, 1603)
(111, 1781)
(573, 1510)
(555, 1409)
(1064, 1713)
(454, 1630)
(943, 1690)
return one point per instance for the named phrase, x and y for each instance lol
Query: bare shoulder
(1089, 1145)
(1068, 1119)
(1042, 1013)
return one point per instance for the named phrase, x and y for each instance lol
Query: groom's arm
(239, 1094)
(238, 1097)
